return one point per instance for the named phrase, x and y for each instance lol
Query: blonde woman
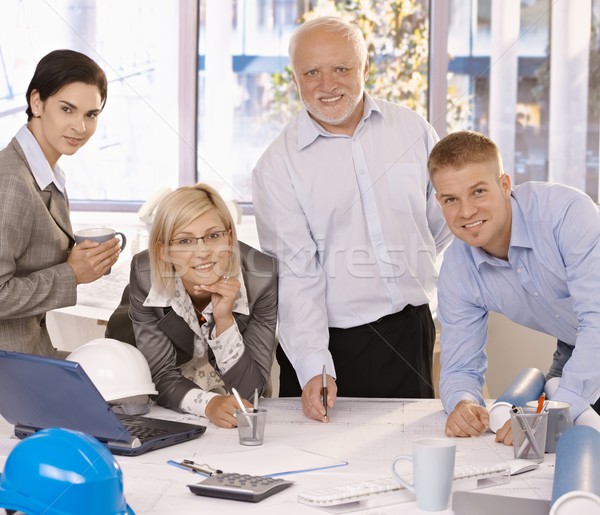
(203, 307)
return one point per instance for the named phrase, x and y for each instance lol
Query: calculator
(239, 487)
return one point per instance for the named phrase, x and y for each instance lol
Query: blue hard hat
(62, 472)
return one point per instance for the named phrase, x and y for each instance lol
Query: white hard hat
(117, 369)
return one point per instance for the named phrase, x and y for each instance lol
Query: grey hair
(332, 24)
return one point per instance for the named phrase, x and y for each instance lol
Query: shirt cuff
(589, 418)
(578, 403)
(450, 403)
(312, 366)
(228, 347)
(195, 401)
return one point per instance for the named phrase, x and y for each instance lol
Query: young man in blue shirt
(531, 253)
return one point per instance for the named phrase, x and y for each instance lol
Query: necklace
(200, 315)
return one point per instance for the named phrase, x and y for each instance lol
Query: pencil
(540, 405)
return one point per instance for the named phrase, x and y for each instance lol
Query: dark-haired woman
(39, 267)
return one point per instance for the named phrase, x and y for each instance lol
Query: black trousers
(388, 358)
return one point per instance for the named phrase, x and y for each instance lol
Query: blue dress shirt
(550, 283)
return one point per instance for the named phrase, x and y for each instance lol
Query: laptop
(39, 392)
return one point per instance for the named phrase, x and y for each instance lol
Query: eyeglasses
(190, 243)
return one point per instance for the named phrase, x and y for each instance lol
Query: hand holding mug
(85, 262)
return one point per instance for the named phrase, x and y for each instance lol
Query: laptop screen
(40, 392)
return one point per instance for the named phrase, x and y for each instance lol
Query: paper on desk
(277, 460)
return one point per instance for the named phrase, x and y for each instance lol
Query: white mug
(433, 472)
(559, 420)
(100, 234)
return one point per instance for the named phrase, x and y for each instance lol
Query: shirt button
(370, 207)
(519, 270)
(378, 244)
(536, 294)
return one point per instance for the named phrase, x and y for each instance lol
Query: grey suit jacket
(167, 341)
(35, 237)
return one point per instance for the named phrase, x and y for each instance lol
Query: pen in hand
(324, 374)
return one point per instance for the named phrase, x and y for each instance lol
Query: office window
(243, 44)
(531, 80)
(135, 150)
(542, 107)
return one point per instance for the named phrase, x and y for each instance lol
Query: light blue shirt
(40, 168)
(550, 283)
(354, 223)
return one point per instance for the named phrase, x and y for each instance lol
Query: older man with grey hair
(343, 200)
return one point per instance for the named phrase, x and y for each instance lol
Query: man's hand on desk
(312, 397)
(467, 419)
(504, 434)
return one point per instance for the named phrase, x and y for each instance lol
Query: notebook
(40, 392)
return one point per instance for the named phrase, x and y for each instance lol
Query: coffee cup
(433, 472)
(559, 420)
(100, 235)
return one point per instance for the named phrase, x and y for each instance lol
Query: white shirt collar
(43, 174)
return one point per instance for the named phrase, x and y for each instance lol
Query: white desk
(367, 433)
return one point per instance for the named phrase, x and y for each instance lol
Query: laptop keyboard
(142, 432)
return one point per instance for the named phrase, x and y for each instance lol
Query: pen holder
(576, 486)
(251, 426)
(527, 386)
(529, 434)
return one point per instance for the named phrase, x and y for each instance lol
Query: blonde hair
(462, 148)
(175, 212)
(332, 24)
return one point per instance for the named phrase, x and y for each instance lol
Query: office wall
(511, 348)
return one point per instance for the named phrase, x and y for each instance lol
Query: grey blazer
(35, 238)
(167, 341)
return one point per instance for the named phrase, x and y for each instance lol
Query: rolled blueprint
(527, 386)
(576, 486)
